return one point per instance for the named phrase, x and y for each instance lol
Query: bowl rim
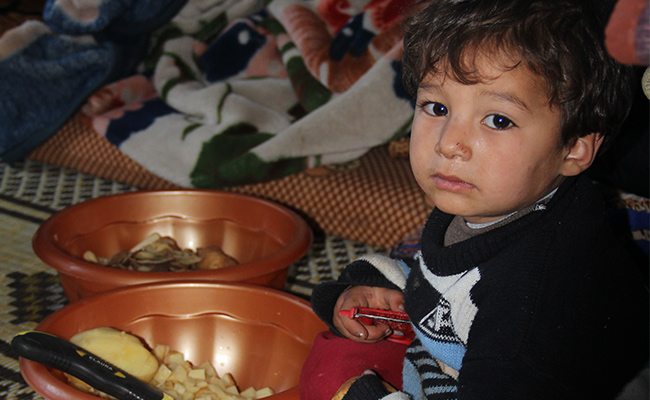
(65, 263)
(39, 376)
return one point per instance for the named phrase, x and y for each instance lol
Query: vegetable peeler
(399, 322)
(67, 357)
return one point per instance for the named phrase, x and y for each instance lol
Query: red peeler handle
(399, 322)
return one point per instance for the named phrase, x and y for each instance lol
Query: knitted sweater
(549, 306)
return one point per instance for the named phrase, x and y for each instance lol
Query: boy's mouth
(451, 183)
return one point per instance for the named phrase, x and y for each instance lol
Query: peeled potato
(121, 349)
(212, 257)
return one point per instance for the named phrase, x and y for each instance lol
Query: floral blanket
(210, 93)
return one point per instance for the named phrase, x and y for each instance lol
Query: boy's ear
(581, 154)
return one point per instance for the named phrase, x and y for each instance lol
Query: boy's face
(486, 150)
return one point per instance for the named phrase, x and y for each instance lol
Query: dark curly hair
(560, 40)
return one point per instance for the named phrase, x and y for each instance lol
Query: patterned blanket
(210, 93)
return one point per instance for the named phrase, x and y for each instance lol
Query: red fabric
(621, 32)
(333, 360)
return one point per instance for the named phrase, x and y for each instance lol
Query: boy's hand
(366, 296)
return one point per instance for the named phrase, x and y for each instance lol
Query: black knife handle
(67, 357)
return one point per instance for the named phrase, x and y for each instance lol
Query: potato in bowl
(265, 238)
(261, 336)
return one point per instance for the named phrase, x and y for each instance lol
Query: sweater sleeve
(372, 270)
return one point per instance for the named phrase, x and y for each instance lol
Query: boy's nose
(453, 142)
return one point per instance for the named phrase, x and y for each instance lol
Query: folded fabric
(627, 35)
(44, 82)
(249, 92)
(347, 359)
(110, 18)
(49, 69)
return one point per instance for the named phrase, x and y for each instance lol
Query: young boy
(520, 290)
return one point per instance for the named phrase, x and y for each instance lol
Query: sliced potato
(162, 368)
(121, 349)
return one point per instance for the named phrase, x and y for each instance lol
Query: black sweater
(547, 306)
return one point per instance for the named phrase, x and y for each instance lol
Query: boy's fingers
(351, 328)
(364, 333)
(377, 332)
(395, 301)
(397, 304)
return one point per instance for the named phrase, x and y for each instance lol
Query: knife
(60, 354)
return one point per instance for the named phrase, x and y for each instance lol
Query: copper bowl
(260, 335)
(264, 237)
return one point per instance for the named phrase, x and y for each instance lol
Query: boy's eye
(496, 121)
(437, 109)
